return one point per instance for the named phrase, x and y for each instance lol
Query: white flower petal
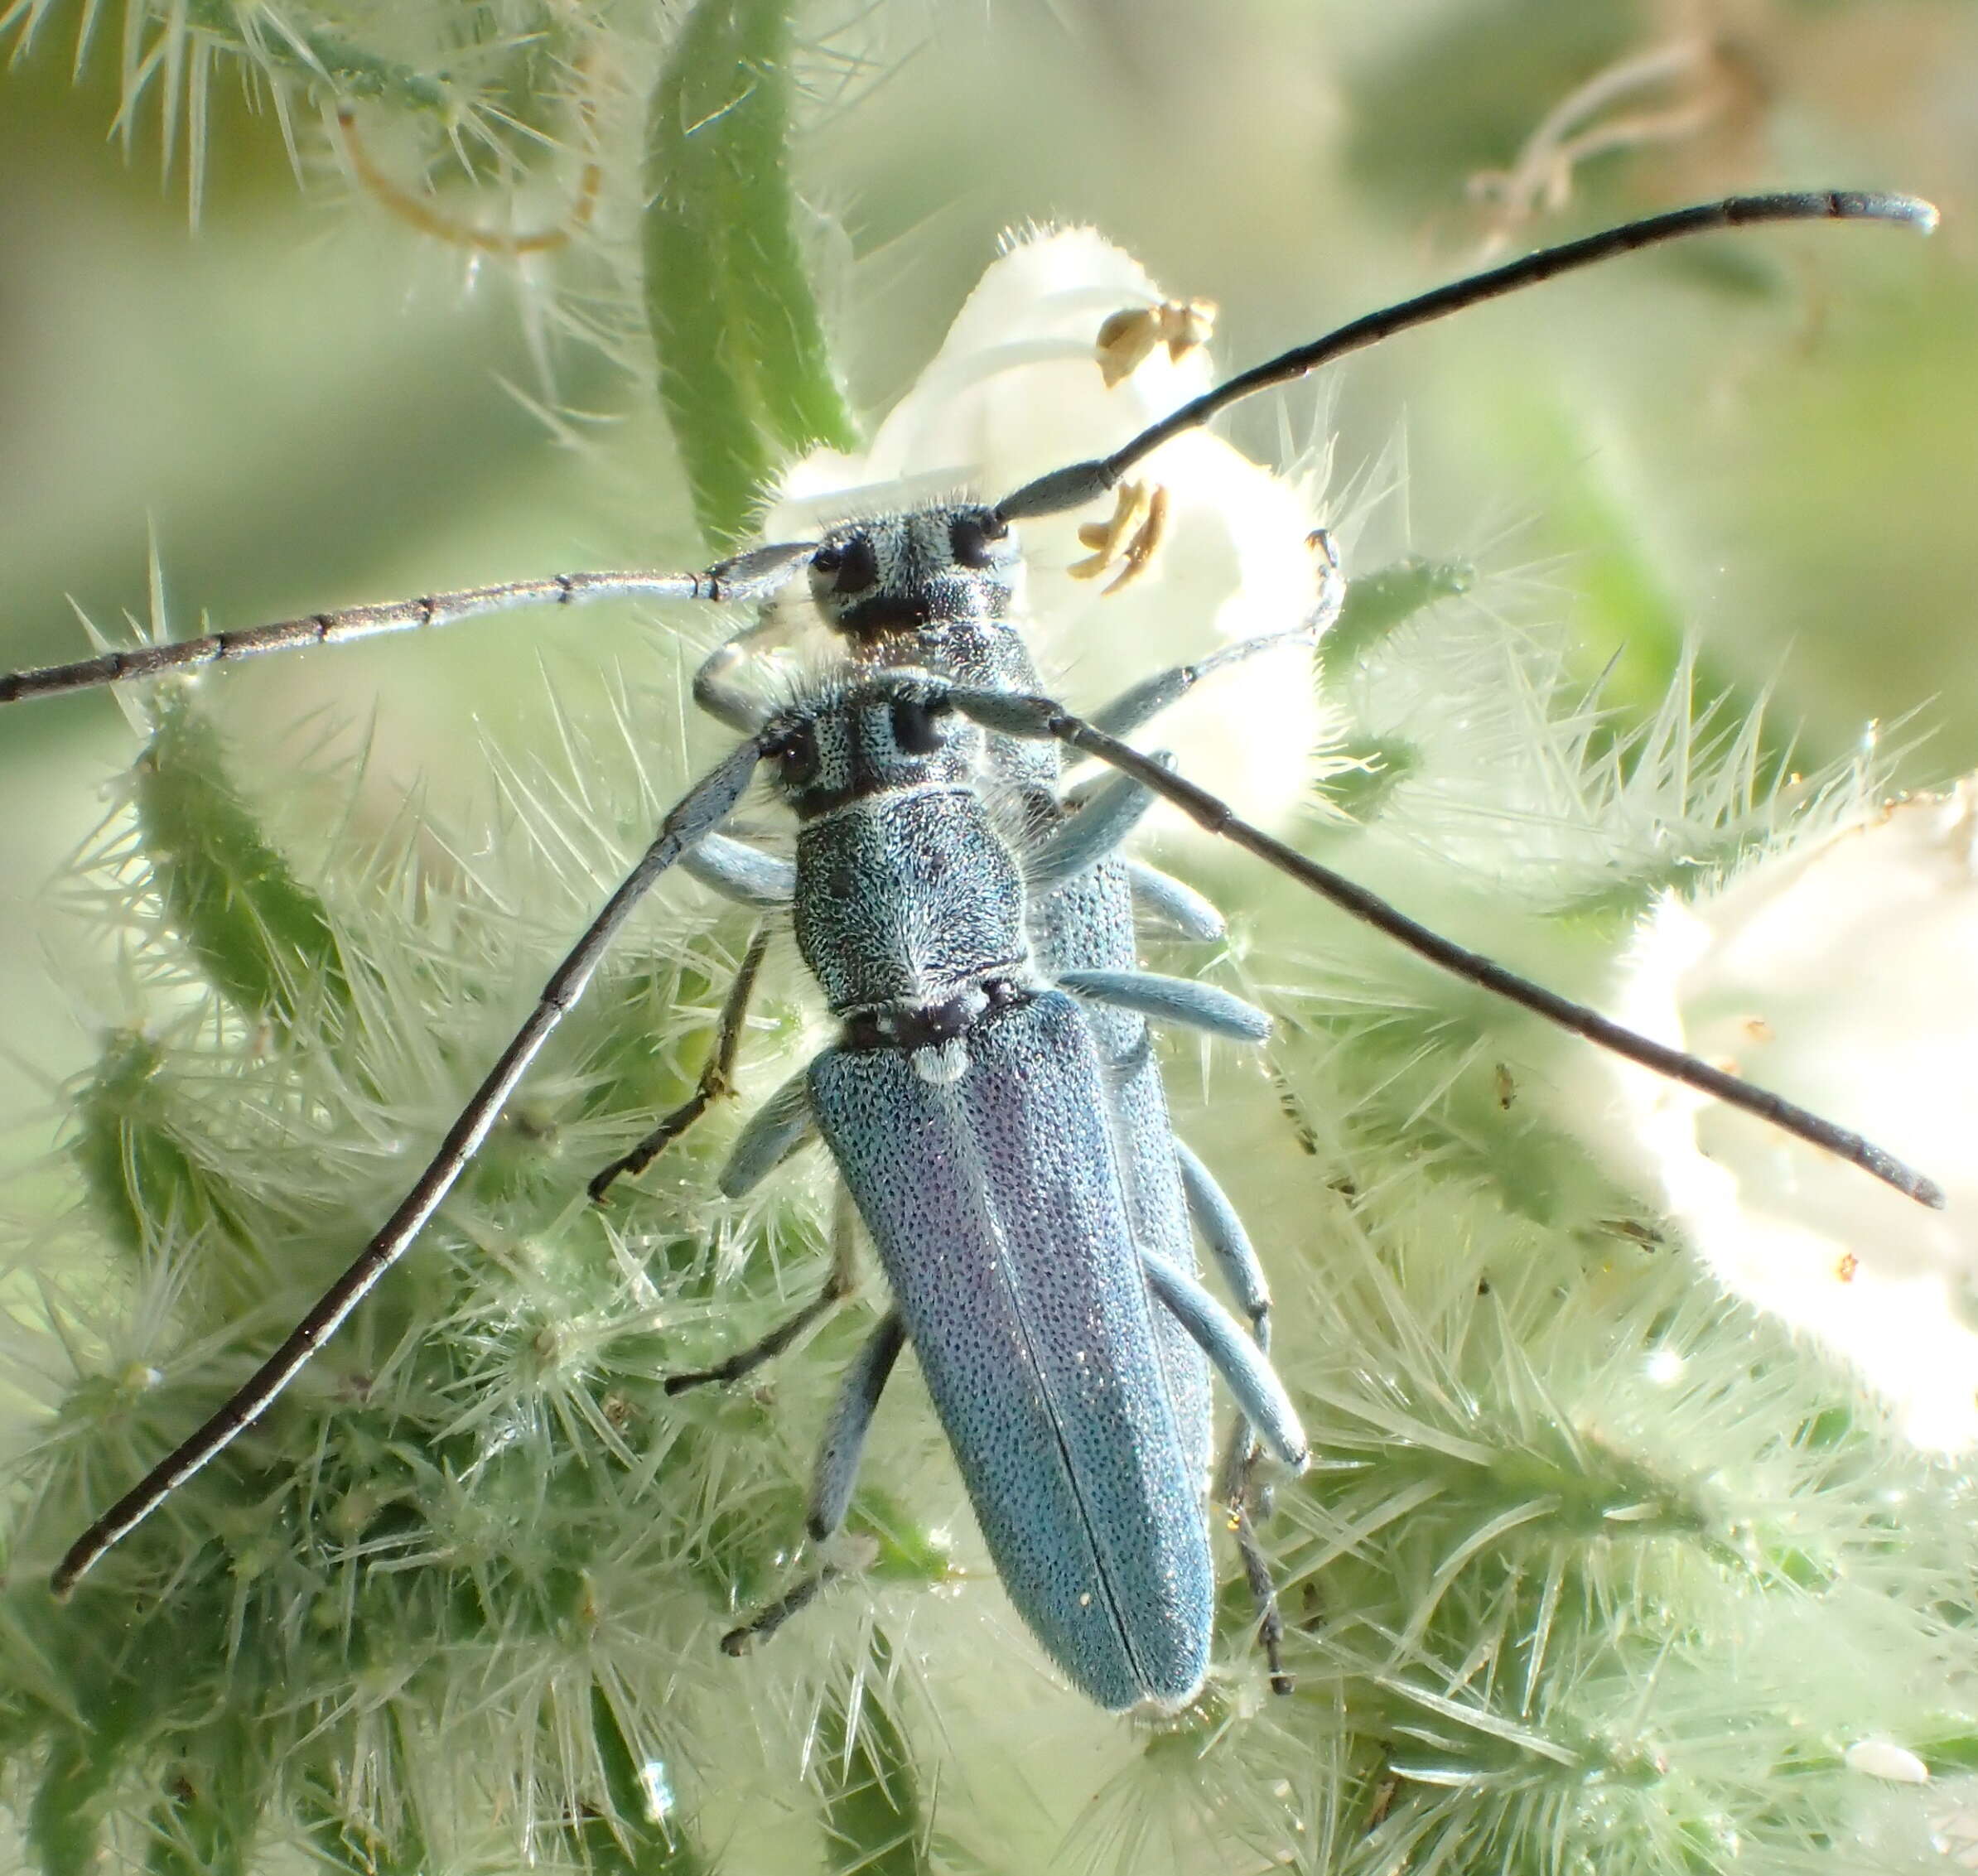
(1016, 389)
(1845, 976)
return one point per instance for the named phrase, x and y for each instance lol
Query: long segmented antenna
(1039, 718)
(1081, 482)
(758, 573)
(696, 813)
(747, 576)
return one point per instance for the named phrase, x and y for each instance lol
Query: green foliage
(744, 373)
(1594, 1570)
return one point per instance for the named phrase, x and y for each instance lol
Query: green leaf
(260, 937)
(745, 373)
(630, 1841)
(1377, 603)
(871, 1797)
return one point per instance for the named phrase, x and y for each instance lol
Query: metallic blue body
(1087, 923)
(992, 1100)
(1008, 1145)
(995, 1204)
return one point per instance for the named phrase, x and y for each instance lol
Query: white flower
(1018, 387)
(1845, 976)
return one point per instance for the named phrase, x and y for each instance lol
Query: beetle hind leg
(1237, 1491)
(831, 1483)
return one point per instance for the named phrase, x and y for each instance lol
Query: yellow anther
(1127, 338)
(1132, 537)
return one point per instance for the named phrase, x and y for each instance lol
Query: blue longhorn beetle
(990, 1103)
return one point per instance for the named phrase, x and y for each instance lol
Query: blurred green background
(307, 401)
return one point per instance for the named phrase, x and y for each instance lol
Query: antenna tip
(1920, 215)
(1924, 1190)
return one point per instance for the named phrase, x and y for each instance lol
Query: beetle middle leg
(1217, 1224)
(1262, 1406)
(716, 1078)
(838, 1285)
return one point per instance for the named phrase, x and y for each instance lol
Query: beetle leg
(836, 1472)
(716, 1077)
(837, 1286)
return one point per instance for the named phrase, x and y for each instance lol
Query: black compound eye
(797, 754)
(917, 724)
(852, 563)
(969, 536)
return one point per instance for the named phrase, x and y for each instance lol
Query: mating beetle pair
(990, 1104)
